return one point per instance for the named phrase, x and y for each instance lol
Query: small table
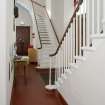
(23, 60)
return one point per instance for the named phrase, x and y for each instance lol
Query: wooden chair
(32, 54)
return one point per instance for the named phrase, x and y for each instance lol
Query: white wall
(68, 11)
(6, 43)
(11, 38)
(3, 65)
(26, 4)
(48, 7)
(86, 84)
(57, 16)
(60, 12)
(42, 2)
(24, 17)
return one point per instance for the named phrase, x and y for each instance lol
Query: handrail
(37, 26)
(64, 35)
(38, 3)
(53, 27)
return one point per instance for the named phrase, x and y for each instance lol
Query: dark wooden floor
(32, 93)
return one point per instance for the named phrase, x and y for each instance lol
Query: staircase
(48, 41)
(45, 41)
(79, 58)
(43, 30)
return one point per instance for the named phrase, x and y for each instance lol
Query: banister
(71, 20)
(37, 26)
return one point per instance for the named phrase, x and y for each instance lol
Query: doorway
(22, 40)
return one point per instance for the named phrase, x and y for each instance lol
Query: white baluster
(93, 17)
(60, 72)
(104, 15)
(84, 23)
(64, 54)
(50, 71)
(98, 16)
(71, 48)
(60, 57)
(66, 51)
(59, 64)
(77, 38)
(63, 57)
(55, 68)
(80, 33)
(50, 86)
(88, 22)
(73, 39)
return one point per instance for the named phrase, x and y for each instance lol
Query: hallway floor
(32, 93)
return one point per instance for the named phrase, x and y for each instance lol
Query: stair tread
(45, 40)
(97, 36)
(79, 57)
(73, 65)
(46, 43)
(43, 32)
(88, 48)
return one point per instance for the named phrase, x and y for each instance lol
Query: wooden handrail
(53, 27)
(64, 35)
(37, 26)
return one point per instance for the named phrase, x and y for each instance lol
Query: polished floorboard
(32, 92)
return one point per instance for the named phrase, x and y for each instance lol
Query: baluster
(60, 55)
(84, 23)
(73, 41)
(69, 45)
(50, 86)
(93, 17)
(56, 68)
(50, 71)
(80, 32)
(64, 55)
(68, 49)
(59, 64)
(98, 16)
(66, 52)
(88, 22)
(71, 48)
(77, 38)
(62, 58)
(103, 15)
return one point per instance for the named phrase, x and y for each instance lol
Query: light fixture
(22, 23)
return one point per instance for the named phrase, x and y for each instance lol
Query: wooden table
(24, 60)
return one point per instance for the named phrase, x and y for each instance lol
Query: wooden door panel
(22, 39)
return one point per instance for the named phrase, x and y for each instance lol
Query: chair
(32, 53)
